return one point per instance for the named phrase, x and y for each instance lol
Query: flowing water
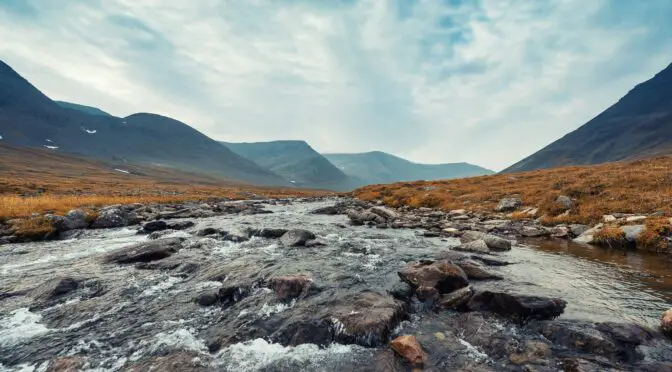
(123, 314)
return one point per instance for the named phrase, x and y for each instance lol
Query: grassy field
(641, 186)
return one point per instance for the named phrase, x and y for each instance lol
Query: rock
(233, 293)
(210, 231)
(476, 246)
(366, 319)
(331, 210)
(315, 243)
(565, 202)
(457, 212)
(632, 232)
(666, 322)
(290, 287)
(237, 236)
(152, 226)
(560, 232)
(55, 288)
(409, 348)
(268, 233)
(145, 251)
(493, 242)
(578, 229)
(110, 217)
(530, 353)
(427, 294)
(76, 219)
(490, 261)
(635, 219)
(608, 218)
(57, 222)
(207, 299)
(445, 277)
(386, 213)
(455, 299)
(169, 361)
(401, 291)
(159, 234)
(476, 271)
(588, 236)
(508, 204)
(450, 230)
(534, 232)
(296, 237)
(360, 218)
(181, 225)
(66, 364)
(517, 307)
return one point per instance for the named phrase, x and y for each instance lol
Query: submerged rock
(443, 276)
(145, 251)
(666, 322)
(152, 226)
(455, 299)
(366, 319)
(290, 287)
(296, 237)
(493, 242)
(476, 271)
(409, 348)
(517, 307)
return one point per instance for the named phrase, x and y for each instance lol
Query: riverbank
(296, 285)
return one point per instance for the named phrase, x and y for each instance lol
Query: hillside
(86, 109)
(638, 125)
(29, 118)
(379, 167)
(296, 161)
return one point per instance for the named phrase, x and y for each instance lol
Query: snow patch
(51, 147)
(122, 171)
(0, 137)
(292, 181)
(90, 131)
(20, 325)
(48, 140)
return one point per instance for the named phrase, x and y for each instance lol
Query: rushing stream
(121, 316)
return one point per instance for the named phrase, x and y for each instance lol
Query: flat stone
(517, 307)
(296, 237)
(409, 348)
(455, 299)
(493, 242)
(445, 277)
(635, 218)
(145, 251)
(476, 246)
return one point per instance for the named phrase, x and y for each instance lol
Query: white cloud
(486, 82)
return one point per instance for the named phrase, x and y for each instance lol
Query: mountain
(87, 109)
(638, 125)
(296, 161)
(379, 167)
(30, 118)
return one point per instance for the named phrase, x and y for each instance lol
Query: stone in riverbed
(476, 246)
(268, 233)
(296, 237)
(509, 204)
(66, 364)
(290, 287)
(476, 271)
(145, 251)
(666, 322)
(445, 277)
(632, 232)
(517, 307)
(366, 319)
(493, 242)
(207, 299)
(409, 348)
(110, 217)
(386, 213)
(152, 226)
(76, 219)
(427, 294)
(455, 299)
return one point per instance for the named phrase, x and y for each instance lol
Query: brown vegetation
(652, 238)
(641, 186)
(611, 236)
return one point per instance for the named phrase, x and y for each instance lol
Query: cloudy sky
(488, 82)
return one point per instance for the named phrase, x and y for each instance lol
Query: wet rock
(666, 322)
(578, 229)
(152, 226)
(534, 232)
(508, 204)
(237, 235)
(488, 261)
(76, 219)
(588, 236)
(315, 243)
(66, 364)
(476, 246)
(425, 294)
(387, 213)
(234, 293)
(560, 232)
(493, 242)
(145, 251)
(455, 299)
(110, 217)
(207, 299)
(476, 271)
(159, 234)
(565, 202)
(517, 307)
(186, 213)
(181, 225)
(55, 288)
(445, 277)
(268, 233)
(177, 361)
(290, 287)
(366, 319)
(304, 329)
(331, 210)
(210, 231)
(359, 218)
(401, 291)
(530, 352)
(296, 237)
(409, 348)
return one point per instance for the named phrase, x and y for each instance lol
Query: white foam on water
(259, 354)
(20, 325)
(208, 284)
(267, 310)
(180, 339)
(473, 351)
(25, 368)
(161, 286)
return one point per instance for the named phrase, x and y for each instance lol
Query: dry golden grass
(32, 228)
(611, 236)
(653, 237)
(642, 186)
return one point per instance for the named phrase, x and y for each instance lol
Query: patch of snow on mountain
(0, 137)
(122, 170)
(292, 181)
(89, 131)
(48, 140)
(51, 147)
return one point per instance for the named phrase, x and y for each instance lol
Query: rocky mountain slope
(379, 167)
(638, 125)
(296, 161)
(82, 108)
(30, 118)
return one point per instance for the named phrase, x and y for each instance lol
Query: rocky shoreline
(432, 311)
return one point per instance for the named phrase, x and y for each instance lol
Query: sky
(487, 82)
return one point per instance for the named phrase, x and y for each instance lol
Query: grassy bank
(642, 186)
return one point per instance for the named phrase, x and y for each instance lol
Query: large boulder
(366, 319)
(152, 226)
(268, 233)
(289, 287)
(476, 271)
(386, 213)
(110, 217)
(509, 204)
(517, 307)
(493, 242)
(445, 277)
(565, 202)
(296, 237)
(145, 251)
(359, 218)
(476, 246)
(76, 219)
(666, 322)
(632, 232)
(409, 348)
